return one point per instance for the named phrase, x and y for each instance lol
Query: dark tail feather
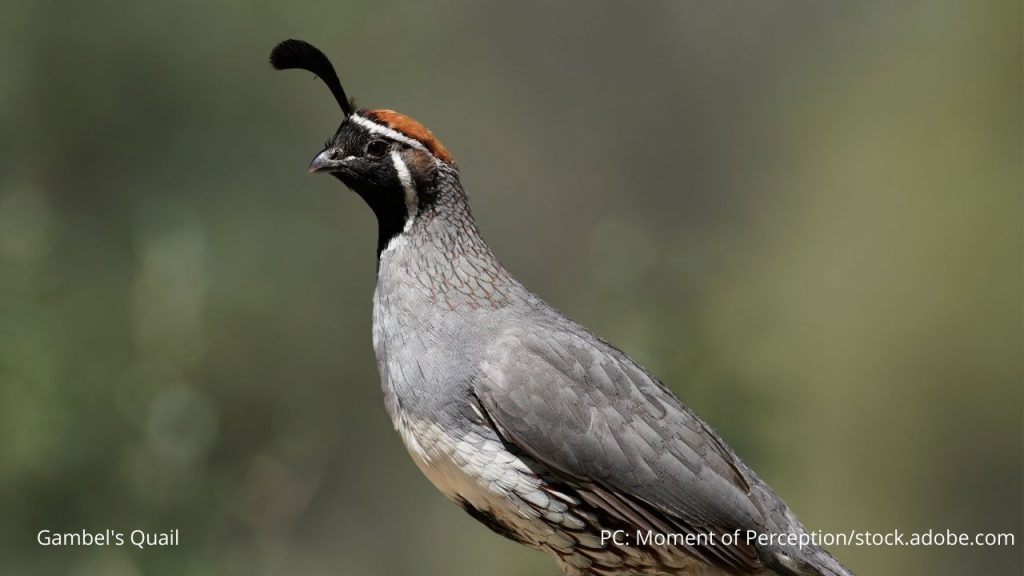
(816, 562)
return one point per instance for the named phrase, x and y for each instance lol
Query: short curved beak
(328, 160)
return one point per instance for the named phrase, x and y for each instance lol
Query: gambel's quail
(532, 424)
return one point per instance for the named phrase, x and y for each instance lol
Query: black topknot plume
(300, 54)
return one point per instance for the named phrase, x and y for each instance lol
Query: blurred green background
(806, 217)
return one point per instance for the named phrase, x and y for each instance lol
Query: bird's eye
(376, 148)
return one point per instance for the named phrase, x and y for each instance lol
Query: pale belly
(480, 472)
(501, 490)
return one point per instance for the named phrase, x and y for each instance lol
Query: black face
(364, 161)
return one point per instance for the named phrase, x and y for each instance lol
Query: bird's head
(389, 159)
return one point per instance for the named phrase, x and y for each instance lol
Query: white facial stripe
(411, 200)
(385, 131)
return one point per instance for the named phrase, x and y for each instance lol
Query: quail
(531, 423)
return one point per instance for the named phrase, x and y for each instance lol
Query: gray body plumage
(545, 432)
(534, 425)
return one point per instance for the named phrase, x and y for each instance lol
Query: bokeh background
(806, 217)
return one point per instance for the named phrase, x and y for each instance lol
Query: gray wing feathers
(585, 410)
